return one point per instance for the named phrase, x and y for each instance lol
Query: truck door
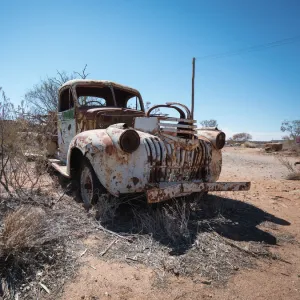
(66, 125)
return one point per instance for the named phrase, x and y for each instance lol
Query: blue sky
(149, 45)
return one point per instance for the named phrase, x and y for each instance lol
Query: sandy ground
(270, 279)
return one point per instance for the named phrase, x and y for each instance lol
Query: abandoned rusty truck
(107, 142)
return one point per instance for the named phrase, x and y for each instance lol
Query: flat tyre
(89, 185)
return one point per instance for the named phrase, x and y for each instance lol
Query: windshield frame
(112, 89)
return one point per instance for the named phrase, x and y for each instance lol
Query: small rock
(206, 281)
(39, 273)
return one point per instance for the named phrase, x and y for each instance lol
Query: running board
(59, 167)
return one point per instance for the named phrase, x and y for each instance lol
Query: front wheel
(89, 186)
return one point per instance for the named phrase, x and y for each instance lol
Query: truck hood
(103, 117)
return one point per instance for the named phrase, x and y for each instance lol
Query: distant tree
(229, 141)
(292, 128)
(241, 137)
(43, 96)
(209, 123)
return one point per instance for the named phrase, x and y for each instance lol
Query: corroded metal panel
(174, 159)
(119, 172)
(160, 158)
(66, 130)
(156, 195)
(149, 125)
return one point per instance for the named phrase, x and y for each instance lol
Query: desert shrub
(293, 130)
(20, 139)
(292, 146)
(28, 243)
(241, 137)
(293, 174)
(296, 149)
(166, 221)
(249, 145)
(106, 208)
(23, 229)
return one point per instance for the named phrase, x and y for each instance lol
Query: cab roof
(101, 83)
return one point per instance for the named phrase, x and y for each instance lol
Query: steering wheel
(93, 101)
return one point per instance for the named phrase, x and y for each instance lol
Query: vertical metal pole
(193, 86)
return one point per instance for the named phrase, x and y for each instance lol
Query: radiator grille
(173, 162)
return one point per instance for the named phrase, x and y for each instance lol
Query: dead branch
(130, 240)
(82, 75)
(251, 253)
(108, 247)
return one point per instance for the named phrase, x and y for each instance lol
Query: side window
(66, 100)
(133, 103)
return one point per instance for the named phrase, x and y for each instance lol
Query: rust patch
(109, 147)
(100, 134)
(156, 195)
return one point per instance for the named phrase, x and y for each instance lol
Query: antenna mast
(193, 86)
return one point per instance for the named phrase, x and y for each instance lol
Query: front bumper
(163, 193)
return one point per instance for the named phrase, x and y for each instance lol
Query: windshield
(98, 96)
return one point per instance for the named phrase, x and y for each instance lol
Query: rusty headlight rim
(220, 140)
(129, 141)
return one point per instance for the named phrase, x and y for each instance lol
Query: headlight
(216, 137)
(220, 140)
(129, 140)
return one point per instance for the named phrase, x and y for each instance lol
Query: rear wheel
(89, 186)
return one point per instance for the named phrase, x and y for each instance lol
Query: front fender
(119, 172)
(89, 143)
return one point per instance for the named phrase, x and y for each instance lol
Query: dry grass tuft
(32, 250)
(106, 208)
(24, 228)
(285, 162)
(293, 173)
(293, 176)
(166, 221)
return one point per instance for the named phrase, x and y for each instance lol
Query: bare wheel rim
(86, 186)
